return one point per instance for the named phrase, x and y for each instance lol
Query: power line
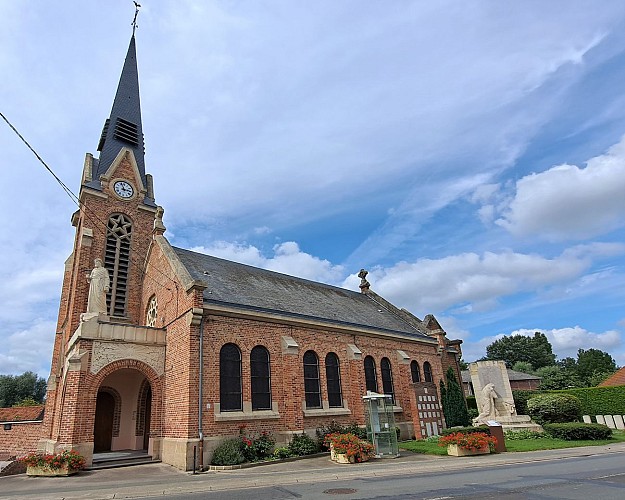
(89, 214)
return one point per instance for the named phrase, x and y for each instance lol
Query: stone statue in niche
(486, 402)
(99, 283)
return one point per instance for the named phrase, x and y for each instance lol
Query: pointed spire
(123, 128)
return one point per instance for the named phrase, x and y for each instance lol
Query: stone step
(124, 462)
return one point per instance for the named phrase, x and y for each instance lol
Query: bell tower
(114, 224)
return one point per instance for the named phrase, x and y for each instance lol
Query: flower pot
(456, 451)
(341, 458)
(49, 472)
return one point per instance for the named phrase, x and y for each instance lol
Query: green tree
(17, 388)
(555, 377)
(454, 404)
(593, 361)
(524, 367)
(535, 350)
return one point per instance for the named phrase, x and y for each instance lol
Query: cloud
(471, 279)
(287, 258)
(29, 349)
(567, 202)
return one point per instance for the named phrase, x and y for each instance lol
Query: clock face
(123, 189)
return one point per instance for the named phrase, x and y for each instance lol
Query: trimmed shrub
(554, 408)
(281, 453)
(466, 430)
(521, 398)
(228, 453)
(573, 431)
(302, 444)
(471, 403)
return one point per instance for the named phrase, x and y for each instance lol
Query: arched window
(152, 312)
(427, 372)
(260, 375)
(387, 378)
(333, 378)
(414, 371)
(117, 262)
(230, 394)
(371, 379)
(312, 389)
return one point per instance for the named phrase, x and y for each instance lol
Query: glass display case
(380, 421)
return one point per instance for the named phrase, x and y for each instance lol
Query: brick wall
(20, 439)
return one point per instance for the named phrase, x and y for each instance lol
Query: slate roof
(126, 107)
(21, 413)
(253, 289)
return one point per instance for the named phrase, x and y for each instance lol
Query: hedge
(554, 408)
(594, 400)
(573, 431)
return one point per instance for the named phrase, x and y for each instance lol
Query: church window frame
(260, 378)
(230, 380)
(117, 258)
(151, 314)
(387, 378)
(333, 380)
(427, 372)
(415, 372)
(371, 377)
(312, 385)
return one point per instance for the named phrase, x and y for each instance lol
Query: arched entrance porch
(123, 412)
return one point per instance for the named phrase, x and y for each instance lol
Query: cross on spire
(134, 20)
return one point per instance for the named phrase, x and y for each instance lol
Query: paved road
(589, 472)
(598, 477)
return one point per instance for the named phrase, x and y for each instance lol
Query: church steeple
(123, 128)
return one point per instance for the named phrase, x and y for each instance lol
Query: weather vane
(134, 21)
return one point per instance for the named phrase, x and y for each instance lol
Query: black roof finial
(134, 21)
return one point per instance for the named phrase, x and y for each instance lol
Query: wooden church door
(103, 428)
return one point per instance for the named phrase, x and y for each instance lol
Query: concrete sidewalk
(162, 480)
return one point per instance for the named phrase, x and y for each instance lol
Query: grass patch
(432, 448)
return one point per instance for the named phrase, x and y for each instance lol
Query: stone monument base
(518, 423)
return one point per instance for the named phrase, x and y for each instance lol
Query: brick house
(519, 381)
(193, 347)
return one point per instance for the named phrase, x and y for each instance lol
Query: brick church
(191, 347)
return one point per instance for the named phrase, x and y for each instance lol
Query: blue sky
(470, 156)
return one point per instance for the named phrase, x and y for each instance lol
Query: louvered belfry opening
(126, 131)
(117, 261)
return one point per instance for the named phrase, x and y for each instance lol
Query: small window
(312, 389)
(427, 372)
(371, 379)
(152, 312)
(260, 378)
(414, 371)
(333, 378)
(230, 393)
(387, 378)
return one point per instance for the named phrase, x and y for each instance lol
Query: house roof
(512, 375)
(617, 378)
(253, 289)
(21, 413)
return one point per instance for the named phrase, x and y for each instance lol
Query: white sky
(470, 155)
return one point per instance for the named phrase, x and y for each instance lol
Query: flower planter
(341, 458)
(49, 472)
(456, 451)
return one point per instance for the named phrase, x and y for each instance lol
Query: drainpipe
(200, 389)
